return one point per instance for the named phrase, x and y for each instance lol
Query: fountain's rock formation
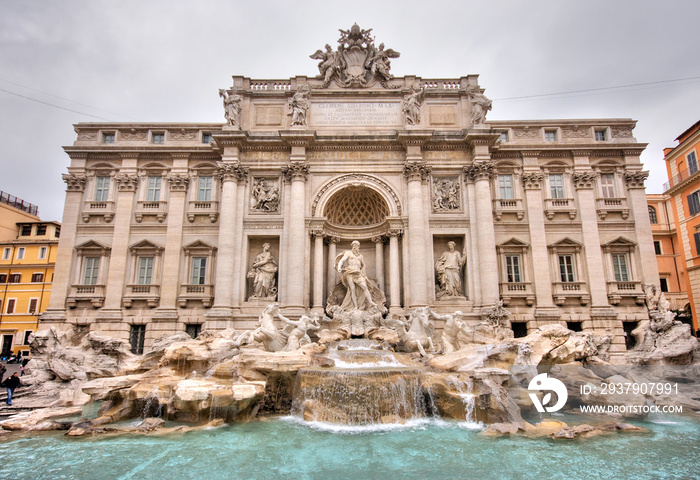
(663, 341)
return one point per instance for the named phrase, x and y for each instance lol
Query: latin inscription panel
(355, 114)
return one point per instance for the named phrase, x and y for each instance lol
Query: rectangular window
(664, 284)
(607, 185)
(694, 202)
(42, 253)
(199, 271)
(57, 232)
(91, 270)
(692, 163)
(620, 267)
(158, 138)
(20, 253)
(575, 326)
(204, 189)
(505, 186)
(33, 303)
(137, 336)
(101, 189)
(600, 135)
(41, 229)
(657, 247)
(503, 137)
(15, 278)
(696, 236)
(652, 215)
(513, 269)
(3, 278)
(27, 333)
(26, 230)
(550, 135)
(193, 329)
(206, 138)
(566, 268)
(6, 253)
(107, 138)
(145, 272)
(10, 307)
(556, 185)
(153, 192)
(37, 278)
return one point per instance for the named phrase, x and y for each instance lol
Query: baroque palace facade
(172, 227)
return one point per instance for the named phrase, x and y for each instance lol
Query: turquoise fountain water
(289, 448)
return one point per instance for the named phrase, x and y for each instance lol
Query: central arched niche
(356, 206)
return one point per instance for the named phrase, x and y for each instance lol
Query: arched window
(652, 215)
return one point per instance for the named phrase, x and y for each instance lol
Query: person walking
(10, 384)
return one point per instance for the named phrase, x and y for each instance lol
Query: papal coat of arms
(357, 62)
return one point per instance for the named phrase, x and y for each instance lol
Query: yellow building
(26, 272)
(14, 210)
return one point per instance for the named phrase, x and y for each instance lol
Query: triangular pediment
(145, 245)
(566, 242)
(92, 245)
(514, 242)
(620, 242)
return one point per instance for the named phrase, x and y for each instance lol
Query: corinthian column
(331, 280)
(416, 173)
(394, 271)
(126, 189)
(480, 172)
(318, 271)
(230, 174)
(379, 260)
(296, 173)
(75, 186)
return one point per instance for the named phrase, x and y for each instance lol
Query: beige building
(172, 227)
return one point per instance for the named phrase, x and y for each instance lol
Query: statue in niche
(263, 274)
(445, 195)
(232, 107)
(449, 272)
(351, 266)
(453, 326)
(411, 106)
(265, 197)
(356, 303)
(299, 104)
(480, 105)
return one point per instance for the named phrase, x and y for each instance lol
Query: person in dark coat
(2, 372)
(11, 383)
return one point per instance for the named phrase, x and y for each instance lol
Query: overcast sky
(162, 61)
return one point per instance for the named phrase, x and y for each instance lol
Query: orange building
(683, 192)
(672, 274)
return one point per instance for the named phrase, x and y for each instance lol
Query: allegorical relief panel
(446, 194)
(265, 195)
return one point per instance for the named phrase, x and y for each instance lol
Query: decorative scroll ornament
(635, 179)
(231, 171)
(584, 179)
(178, 183)
(357, 62)
(296, 171)
(479, 171)
(416, 171)
(126, 183)
(75, 183)
(532, 180)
